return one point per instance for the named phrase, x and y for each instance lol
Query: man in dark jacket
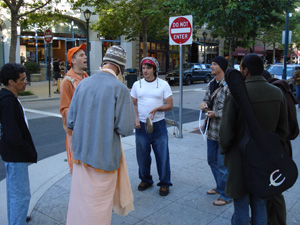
(16, 146)
(269, 106)
(276, 209)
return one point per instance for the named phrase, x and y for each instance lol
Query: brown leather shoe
(143, 186)
(164, 191)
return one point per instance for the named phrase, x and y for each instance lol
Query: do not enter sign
(181, 29)
(48, 36)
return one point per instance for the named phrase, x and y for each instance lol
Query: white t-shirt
(150, 95)
(25, 118)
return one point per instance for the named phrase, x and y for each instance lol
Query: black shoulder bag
(268, 170)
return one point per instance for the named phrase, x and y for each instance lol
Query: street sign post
(48, 36)
(180, 33)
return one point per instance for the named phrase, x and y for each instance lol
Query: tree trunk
(14, 37)
(230, 61)
(145, 36)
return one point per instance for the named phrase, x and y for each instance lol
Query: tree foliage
(25, 12)
(238, 22)
(134, 19)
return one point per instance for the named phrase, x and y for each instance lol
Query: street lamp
(263, 33)
(87, 15)
(204, 34)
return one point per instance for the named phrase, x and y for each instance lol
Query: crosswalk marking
(195, 89)
(43, 112)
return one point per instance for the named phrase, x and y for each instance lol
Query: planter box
(35, 77)
(43, 73)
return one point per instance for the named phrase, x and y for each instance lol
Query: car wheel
(171, 82)
(207, 78)
(188, 80)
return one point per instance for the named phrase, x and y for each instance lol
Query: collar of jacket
(255, 78)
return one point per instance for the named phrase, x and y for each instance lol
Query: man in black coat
(16, 146)
(276, 209)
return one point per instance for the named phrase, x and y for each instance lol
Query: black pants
(276, 210)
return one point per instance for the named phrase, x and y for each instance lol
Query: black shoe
(28, 218)
(164, 191)
(143, 186)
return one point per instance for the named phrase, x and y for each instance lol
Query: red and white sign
(48, 36)
(181, 29)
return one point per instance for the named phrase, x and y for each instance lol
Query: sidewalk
(186, 204)
(41, 91)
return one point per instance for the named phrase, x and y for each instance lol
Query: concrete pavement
(186, 204)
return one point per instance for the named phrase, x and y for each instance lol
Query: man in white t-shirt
(152, 96)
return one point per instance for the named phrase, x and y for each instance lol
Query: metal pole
(286, 42)
(36, 44)
(3, 50)
(180, 91)
(49, 67)
(204, 52)
(88, 48)
(72, 30)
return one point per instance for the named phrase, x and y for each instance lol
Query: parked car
(190, 72)
(276, 70)
(236, 66)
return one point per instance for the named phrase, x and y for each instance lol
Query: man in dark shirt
(16, 146)
(56, 70)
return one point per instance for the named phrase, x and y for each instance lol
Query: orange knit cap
(72, 51)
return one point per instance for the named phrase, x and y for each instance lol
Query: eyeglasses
(24, 79)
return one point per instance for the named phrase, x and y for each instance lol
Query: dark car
(276, 70)
(190, 72)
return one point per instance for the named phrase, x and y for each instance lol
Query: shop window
(106, 45)
(153, 46)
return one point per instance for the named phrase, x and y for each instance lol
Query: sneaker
(143, 186)
(164, 191)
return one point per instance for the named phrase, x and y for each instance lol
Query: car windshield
(278, 70)
(188, 66)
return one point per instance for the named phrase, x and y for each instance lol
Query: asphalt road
(49, 137)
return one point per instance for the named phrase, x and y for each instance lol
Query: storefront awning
(206, 43)
(259, 50)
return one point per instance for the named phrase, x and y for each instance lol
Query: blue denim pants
(216, 162)
(298, 94)
(159, 142)
(241, 211)
(18, 192)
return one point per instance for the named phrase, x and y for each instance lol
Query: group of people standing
(98, 110)
(274, 107)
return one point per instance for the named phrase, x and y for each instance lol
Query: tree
(239, 21)
(134, 19)
(21, 11)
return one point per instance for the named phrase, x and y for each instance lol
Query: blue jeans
(298, 94)
(241, 211)
(159, 142)
(216, 162)
(18, 192)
